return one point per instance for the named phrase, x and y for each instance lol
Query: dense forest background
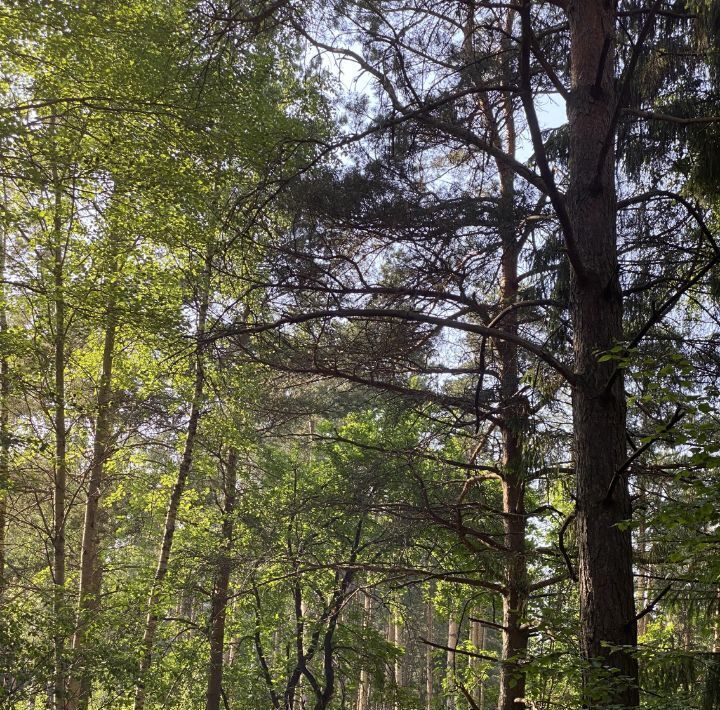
(359, 354)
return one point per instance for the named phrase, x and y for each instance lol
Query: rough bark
(607, 614)
(515, 633)
(161, 569)
(221, 587)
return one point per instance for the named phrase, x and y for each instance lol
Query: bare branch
(403, 315)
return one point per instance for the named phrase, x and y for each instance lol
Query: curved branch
(403, 315)
(692, 209)
(556, 198)
(669, 118)
(423, 111)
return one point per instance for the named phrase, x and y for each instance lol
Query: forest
(359, 354)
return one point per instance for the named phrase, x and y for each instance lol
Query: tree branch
(680, 412)
(563, 550)
(556, 198)
(651, 606)
(404, 315)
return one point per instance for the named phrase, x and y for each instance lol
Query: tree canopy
(359, 355)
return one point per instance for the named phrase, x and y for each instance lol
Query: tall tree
(607, 610)
(196, 406)
(221, 584)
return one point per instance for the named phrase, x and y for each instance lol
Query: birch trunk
(452, 642)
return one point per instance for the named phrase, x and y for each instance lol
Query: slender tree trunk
(607, 614)
(398, 671)
(452, 642)
(429, 675)
(80, 687)
(515, 631)
(399, 680)
(4, 411)
(363, 698)
(643, 587)
(154, 598)
(221, 587)
(390, 633)
(302, 685)
(477, 639)
(711, 691)
(60, 463)
(515, 634)
(481, 687)
(231, 646)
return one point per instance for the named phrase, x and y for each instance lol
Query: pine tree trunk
(515, 632)
(607, 614)
(80, 688)
(152, 620)
(220, 590)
